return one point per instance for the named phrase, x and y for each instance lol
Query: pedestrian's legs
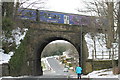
(78, 76)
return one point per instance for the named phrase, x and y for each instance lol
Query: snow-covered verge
(10, 77)
(105, 73)
(45, 64)
(98, 42)
(18, 34)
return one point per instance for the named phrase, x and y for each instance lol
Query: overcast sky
(67, 6)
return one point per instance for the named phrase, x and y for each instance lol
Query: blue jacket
(78, 70)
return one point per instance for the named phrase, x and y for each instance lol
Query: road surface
(59, 78)
(56, 67)
(56, 74)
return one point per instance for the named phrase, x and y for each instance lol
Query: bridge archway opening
(61, 50)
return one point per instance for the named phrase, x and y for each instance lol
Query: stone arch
(40, 48)
(41, 34)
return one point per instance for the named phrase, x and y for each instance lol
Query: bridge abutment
(41, 34)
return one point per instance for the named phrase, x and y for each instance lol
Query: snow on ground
(46, 64)
(100, 45)
(99, 39)
(5, 57)
(8, 77)
(105, 73)
(17, 37)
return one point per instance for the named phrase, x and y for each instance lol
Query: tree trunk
(110, 30)
(3, 8)
(94, 47)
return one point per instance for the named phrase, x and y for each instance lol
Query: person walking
(78, 71)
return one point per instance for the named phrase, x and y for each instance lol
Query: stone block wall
(92, 65)
(4, 69)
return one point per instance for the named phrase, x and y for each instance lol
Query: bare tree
(29, 4)
(105, 9)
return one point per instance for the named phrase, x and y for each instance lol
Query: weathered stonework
(4, 69)
(40, 35)
(27, 58)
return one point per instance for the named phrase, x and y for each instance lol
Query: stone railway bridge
(41, 34)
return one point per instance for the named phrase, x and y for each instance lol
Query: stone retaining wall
(92, 65)
(4, 69)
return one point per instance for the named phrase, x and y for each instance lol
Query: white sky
(59, 41)
(66, 6)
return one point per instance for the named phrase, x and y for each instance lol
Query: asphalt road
(58, 74)
(56, 67)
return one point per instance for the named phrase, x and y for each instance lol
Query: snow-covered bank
(5, 57)
(10, 77)
(18, 34)
(98, 42)
(105, 73)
